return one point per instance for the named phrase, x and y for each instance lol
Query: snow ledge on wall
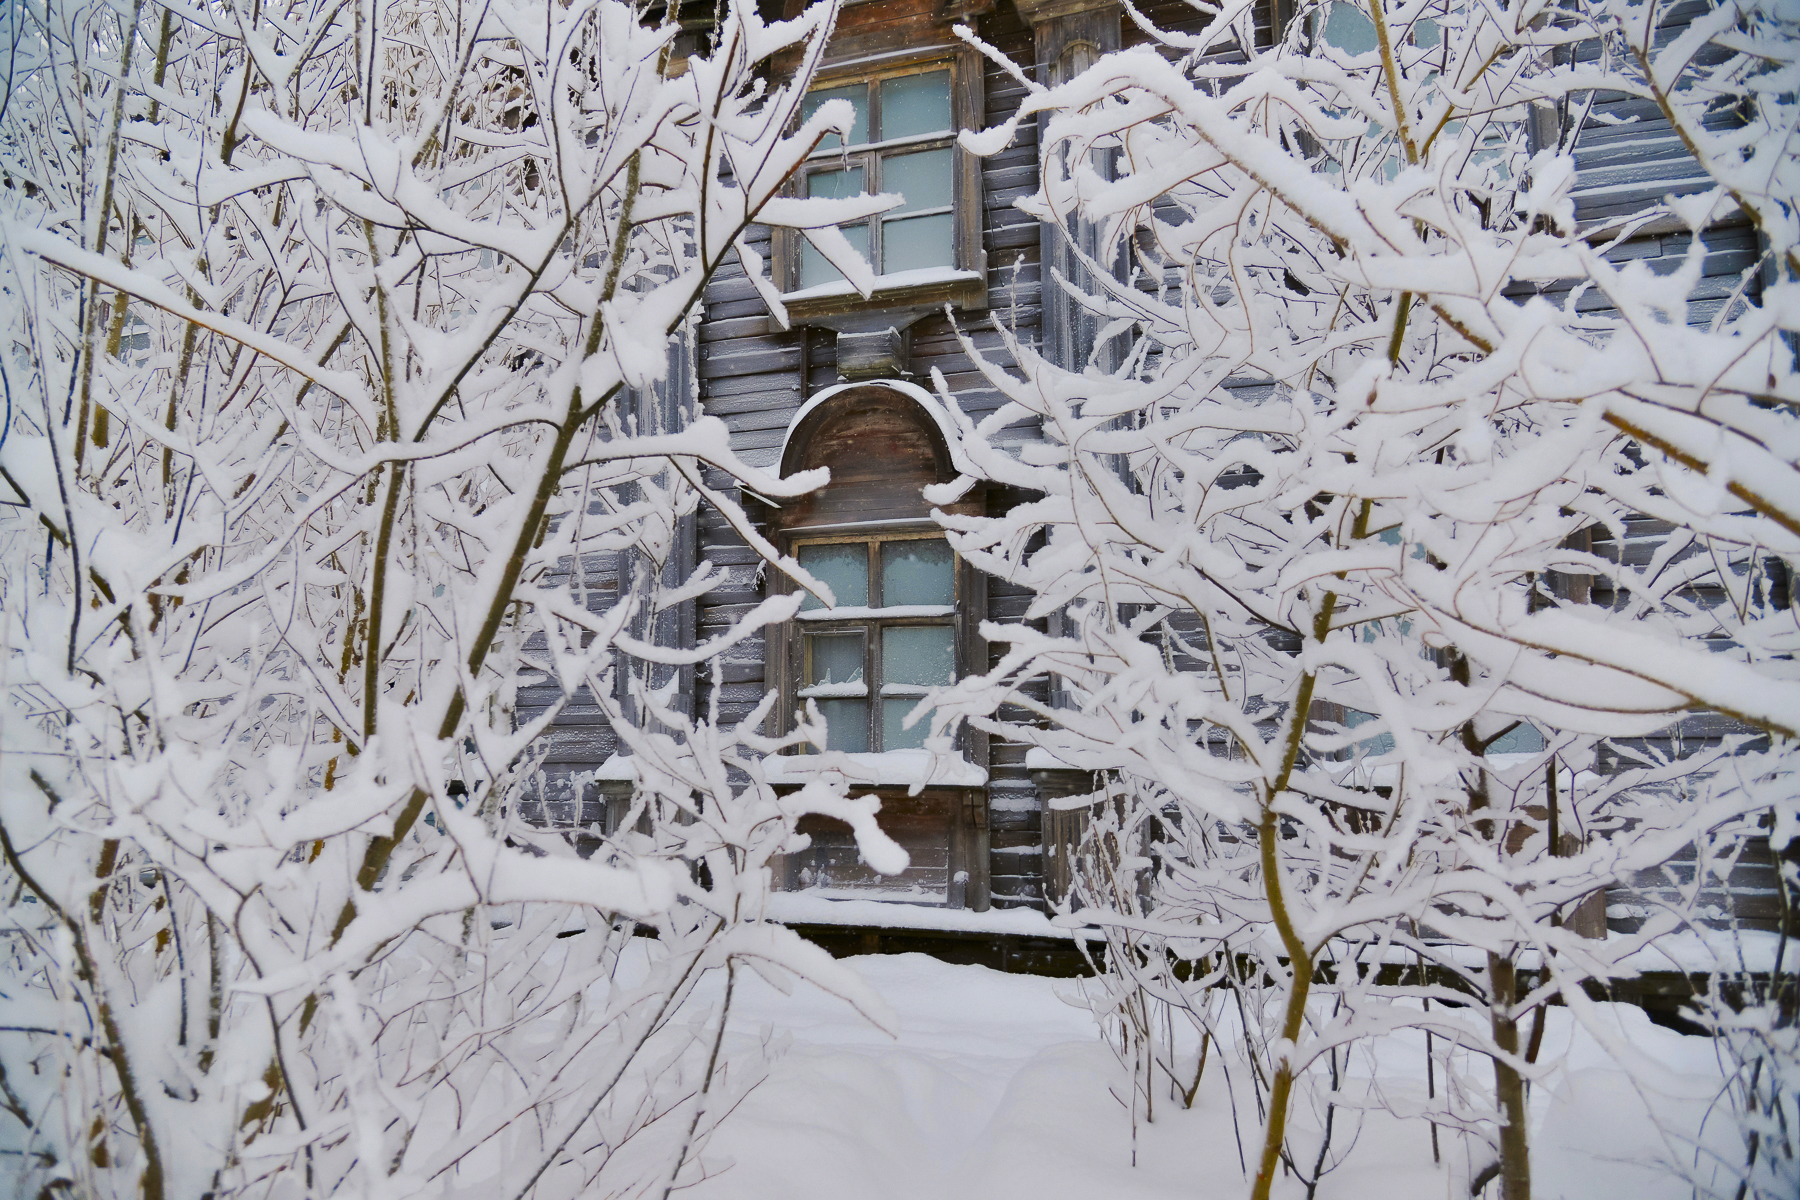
(800, 908)
(617, 768)
(1039, 759)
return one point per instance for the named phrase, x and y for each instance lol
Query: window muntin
(890, 639)
(902, 141)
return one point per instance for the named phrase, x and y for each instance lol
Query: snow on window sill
(856, 613)
(910, 768)
(812, 908)
(833, 691)
(884, 285)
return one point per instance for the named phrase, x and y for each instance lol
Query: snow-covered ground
(997, 1087)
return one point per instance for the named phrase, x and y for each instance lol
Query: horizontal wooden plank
(740, 360)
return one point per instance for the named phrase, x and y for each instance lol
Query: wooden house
(841, 388)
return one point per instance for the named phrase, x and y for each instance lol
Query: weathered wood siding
(1628, 159)
(1627, 155)
(754, 376)
(580, 739)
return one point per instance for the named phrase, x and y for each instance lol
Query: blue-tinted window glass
(916, 243)
(894, 734)
(918, 656)
(847, 725)
(858, 95)
(834, 659)
(834, 667)
(816, 269)
(917, 572)
(924, 178)
(835, 185)
(841, 566)
(1524, 738)
(1349, 29)
(915, 104)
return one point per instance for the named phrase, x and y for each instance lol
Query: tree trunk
(1509, 1089)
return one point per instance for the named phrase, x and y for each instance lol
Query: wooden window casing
(882, 449)
(968, 257)
(880, 624)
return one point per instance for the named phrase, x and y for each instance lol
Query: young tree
(1335, 628)
(323, 328)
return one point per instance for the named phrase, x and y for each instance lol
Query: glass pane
(923, 178)
(841, 566)
(917, 242)
(835, 185)
(815, 268)
(894, 736)
(917, 656)
(915, 104)
(847, 725)
(918, 572)
(1525, 738)
(1349, 29)
(834, 658)
(857, 94)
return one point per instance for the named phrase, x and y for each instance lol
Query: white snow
(997, 1086)
(832, 691)
(810, 908)
(1706, 950)
(863, 612)
(616, 768)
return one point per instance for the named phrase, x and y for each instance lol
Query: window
(891, 638)
(905, 620)
(902, 141)
(907, 612)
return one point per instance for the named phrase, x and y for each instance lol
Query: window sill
(898, 768)
(814, 908)
(855, 613)
(906, 295)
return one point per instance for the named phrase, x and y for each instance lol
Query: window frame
(966, 209)
(872, 627)
(871, 158)
(825, 432)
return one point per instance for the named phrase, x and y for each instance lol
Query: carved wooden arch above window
(882, 447)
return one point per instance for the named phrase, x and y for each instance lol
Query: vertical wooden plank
(974, 821)
(1067, 43)
(661, 410)
(778, 650)
(957, 895)
(971, 609)
(1063, 827)
(969, 111)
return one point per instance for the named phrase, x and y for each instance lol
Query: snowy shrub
(1331, 551)
(325, 328)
